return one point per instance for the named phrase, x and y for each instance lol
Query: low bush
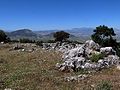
(50, 41)
(25, 40)
(96, 57)
(14, 41)
(39, 43)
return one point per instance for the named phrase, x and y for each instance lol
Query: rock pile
(62, 47)
(79, 57)
(23, 47)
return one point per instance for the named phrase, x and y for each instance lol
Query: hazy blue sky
(58, 14)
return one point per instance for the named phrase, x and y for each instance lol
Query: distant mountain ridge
(22, 33)
(81, 34)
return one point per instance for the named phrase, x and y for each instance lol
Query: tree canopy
(61, 36)
(103, 35)
(3, 36)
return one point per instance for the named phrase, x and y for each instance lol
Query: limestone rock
(77, 56)
(76, 78)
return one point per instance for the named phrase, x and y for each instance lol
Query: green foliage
(50, 41)
(104, 86)
(61, 35)
(3, 36)
(25, 40)
(8, 39)
(81, 71)
(39, 43)
(104, 36)
(96, 57)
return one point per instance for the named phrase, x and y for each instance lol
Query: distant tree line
(26, 40)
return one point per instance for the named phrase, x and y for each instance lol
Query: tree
(61, 36)
(3, 36)
(104, 36)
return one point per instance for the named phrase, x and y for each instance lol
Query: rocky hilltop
(88, 56)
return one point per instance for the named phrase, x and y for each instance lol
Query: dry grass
(36, 71)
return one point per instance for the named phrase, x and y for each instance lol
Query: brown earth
(36, 71)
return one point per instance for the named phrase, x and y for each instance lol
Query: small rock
(7, 89)
(76, 78)
(118, 67)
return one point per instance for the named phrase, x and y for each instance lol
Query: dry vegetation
(36, 71)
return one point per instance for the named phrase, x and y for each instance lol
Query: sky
(58, 14)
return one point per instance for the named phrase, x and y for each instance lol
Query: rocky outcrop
(62, 47)
(78, 57)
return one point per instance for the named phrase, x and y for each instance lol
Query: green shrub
(96, 57)
(104, 86)
(39, 43)
(3, 36)
(25, 40)
(50, 41)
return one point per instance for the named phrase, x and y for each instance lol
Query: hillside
(23, 33)
(36, 35)
(74, 31)
(80, 34)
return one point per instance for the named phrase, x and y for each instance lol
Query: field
(36, 71)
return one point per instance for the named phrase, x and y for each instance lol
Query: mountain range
(79, 34)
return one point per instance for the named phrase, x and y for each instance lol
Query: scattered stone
(24, 48)
(118, 67)
(7, 89)
(76, 78)
(2, 42)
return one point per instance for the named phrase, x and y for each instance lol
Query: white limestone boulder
(107, 50)
(91, 45)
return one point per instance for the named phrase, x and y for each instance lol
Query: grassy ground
(36, 71)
